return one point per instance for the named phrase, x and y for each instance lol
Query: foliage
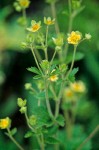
(54, 99)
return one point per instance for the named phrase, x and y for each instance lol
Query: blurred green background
(14, 61)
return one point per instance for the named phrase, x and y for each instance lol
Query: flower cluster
(22, 105)
(21, 4)
(78, 87)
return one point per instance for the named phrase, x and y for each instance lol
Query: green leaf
(60, 120)
(51, 140)
(34, 70)
(52, 130)
(28, 134)
(78, 56)
(37, 77)
(13, 131)
(41, 95)
(71, 76)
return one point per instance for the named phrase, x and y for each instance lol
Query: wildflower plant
(55, 82)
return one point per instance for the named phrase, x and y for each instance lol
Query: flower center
(35, 27)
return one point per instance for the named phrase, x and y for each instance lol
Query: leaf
(28, 134)
(51, 140)
(60, 120)
(41, 95)
(37, 77)
(13, 131)
(52, 130)
(42, 116)
(78, 56)
(71, 76)
(34, 70)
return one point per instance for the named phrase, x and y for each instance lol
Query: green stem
(89, 137)
(36, 60)
(27, 120)
(73, 59)
(69, 26)
(53, 92)
(14, 141)
(32, 129)
(47, 100)
(53, 56)
(24, 16)
(46, 55)
(68, 126)
(59, 99)
(38, 55)
(42, 139)
(53, 10)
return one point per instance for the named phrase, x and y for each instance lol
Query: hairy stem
(89, 137)
(68, 126)
(59, 100)
(69, 26)
(33, 130)
(72, 64)
(24, 16)
(13, 140)
(36, 59)
(53, 10)
(46, 55)
(47, 100)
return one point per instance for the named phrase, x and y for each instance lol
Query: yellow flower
(69, 93)
(35, 26)
(78, 86)
(53, 78)
(74, 37)
(48, 21)
(24, 3)
(5, 123)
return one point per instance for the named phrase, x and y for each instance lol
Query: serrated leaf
(37, 77)
(51, 140)
(60, 120)
(41, 95)
(13, 131)
(42, 116)
(71, 76)
(34, 70)
(28, 134)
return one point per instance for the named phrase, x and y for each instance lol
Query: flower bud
(23, 110)
(32, 120)
(21, 102)
(28, 86)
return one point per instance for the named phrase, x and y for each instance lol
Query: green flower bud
(23, 45)
(58, 48)
(62, 67)
(76, 4)
(32, 120)
(40, 85)
(28, 86)
(23, 110)
(88, 36)
(45, 65)
(21, 102)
